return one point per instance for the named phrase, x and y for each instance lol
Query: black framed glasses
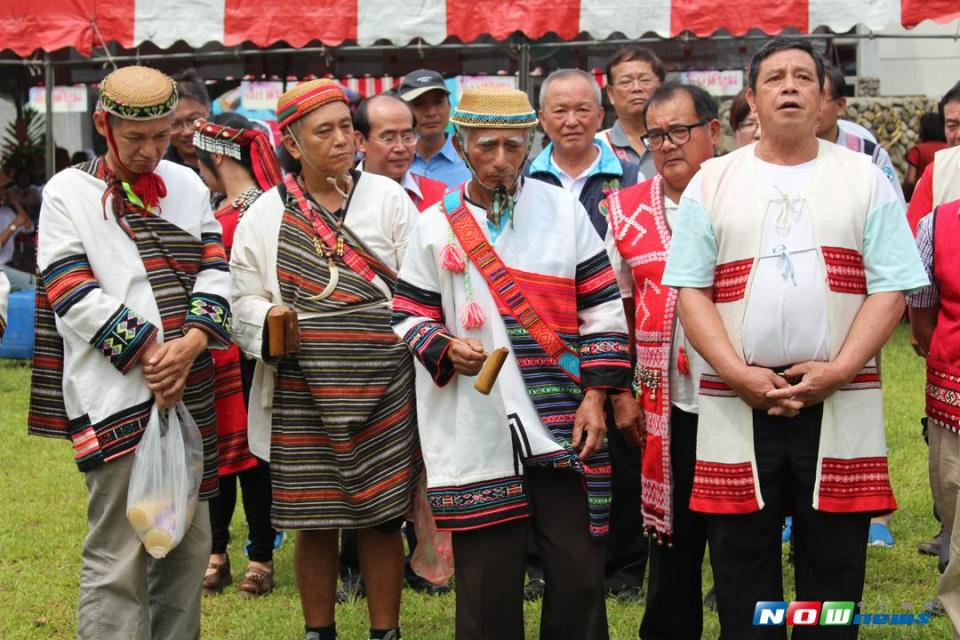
(678, 134)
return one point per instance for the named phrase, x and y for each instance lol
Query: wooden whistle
(283, 332)
(491, 366)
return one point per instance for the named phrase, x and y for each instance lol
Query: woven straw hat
(305, 97)
(494, 108)
(138, 93)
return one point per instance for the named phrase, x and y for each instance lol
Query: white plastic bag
(165, 480)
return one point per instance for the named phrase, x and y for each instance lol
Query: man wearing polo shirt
(384, 129)
(571, 113)
(435, 157)
(632, 77)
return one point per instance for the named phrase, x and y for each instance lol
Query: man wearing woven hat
(334, 417)
(133, 289)
(503, 262)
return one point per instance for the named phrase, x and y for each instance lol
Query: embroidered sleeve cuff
(211, 314)
(605, 362)
(123, 338)
(431, 350)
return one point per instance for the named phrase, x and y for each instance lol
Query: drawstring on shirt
(786, 263)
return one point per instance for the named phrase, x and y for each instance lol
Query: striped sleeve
(604, 349)
(596, 282)
(418, 310)
(117, 332)
(420, 315)
(209, 301)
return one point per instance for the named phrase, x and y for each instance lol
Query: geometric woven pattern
(730, 280)
(211, 314)
(845, 272)
(123, 337)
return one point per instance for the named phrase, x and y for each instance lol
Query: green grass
(43, 524)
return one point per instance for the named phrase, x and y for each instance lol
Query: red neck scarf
(149, 187)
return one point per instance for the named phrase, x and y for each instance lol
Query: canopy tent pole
(524, 67)
(51, 147)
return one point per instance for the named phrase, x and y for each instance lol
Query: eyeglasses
(189, 124)
(678, 134)
(748, 126)
(407, 138)
(627, 82)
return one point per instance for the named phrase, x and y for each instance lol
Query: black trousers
(257, 495)
(675, 597)
(745, 549)
(490, 564)
(625, 553)
(625, 548)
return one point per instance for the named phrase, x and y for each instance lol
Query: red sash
(943, 364)
(350, 257)
(503, 286)
(639, 227)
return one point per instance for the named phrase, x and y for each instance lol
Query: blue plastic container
(17, 341)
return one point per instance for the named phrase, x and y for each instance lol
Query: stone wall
(894, 121)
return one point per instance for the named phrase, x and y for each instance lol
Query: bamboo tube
(491, 365)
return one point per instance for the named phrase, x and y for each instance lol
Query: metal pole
(476, 46)
(524, 67)
(48, 117)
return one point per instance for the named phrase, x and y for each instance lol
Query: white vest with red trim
(852, 471)
(946, 175)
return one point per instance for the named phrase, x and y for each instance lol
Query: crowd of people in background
(692, 343)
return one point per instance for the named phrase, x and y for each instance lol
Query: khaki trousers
(945, 482)
(125, 594)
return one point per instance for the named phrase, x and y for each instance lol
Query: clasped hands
(166, 366)
(786, 393)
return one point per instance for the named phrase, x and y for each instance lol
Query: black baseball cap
(416, 83)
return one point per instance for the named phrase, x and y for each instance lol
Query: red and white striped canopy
(27, 26)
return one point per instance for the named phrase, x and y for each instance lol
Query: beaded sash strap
(503, 286)
(350, 257)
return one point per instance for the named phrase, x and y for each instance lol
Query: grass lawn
(43, 525)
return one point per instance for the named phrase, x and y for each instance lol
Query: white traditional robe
(470, 441)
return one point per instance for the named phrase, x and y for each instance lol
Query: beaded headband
(138, 93)
(229, 141)
(494, 108)
(304, 98)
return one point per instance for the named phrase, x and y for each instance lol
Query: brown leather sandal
(215, 582)
(256, 583)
